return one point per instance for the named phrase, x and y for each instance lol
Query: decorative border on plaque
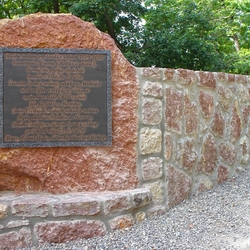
(55, 97)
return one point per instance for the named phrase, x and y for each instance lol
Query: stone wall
(193, 131)
(176, 133)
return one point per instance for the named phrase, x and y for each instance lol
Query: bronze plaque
(55, 97)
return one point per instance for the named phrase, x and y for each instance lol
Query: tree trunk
(111, 30)
(56, 6)
(236, 43)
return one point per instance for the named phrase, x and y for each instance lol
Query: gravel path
(217, 219)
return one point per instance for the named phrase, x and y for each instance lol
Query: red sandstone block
(207, 103)
(186, 154)
(151, 111)
(209, 157)
(152, 73)
(191, 120)
(168, 146)
(151, 168)
(152, 89)
(220, 76)
(222, 174)
(207, 80)
(187, 77)
(16, 240)
(77, 205)
(31, 206)
(179, 186)
(230, 78)
(169, 75)
(63, 231)
(227, 152)
(218, 123)
(120, 222)
(174, 109)
(236, 123)
(241, 79)
(225, 97)
(116, 202)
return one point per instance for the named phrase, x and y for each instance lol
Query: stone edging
(32, 219)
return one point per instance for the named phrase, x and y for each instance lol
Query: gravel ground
(217, 219)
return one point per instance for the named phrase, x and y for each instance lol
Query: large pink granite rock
(61, 170)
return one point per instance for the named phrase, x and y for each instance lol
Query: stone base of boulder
(35, 218)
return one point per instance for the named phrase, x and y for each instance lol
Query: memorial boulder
(62, 169)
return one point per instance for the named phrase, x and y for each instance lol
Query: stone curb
(36, 218)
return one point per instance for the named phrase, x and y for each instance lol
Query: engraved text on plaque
(55, 97)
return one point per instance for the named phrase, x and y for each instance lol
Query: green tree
(51, 6)
(119, 18)
(10, 8)
(15, 8)
(179, 34)
(232, 20)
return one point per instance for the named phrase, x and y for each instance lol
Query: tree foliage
(179, 34)
(119, 18)
(195, 34)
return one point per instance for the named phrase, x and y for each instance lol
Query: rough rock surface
(222, 174)
(218, 123)
(151, 111)
(179, 185)
(236, 123)
(157, 191)
(244, 150)
(151, 168)
(186, 154)
(187, 77)
(207, 103)
(207, 80)
(61, 170)
(150, 141)
(225, 97)
(168, 146)
(121, 222)
(16, 240)
(152, 89)
(63, 231)
(209, 156)
(191, 120)
(174, 110)
(227, 152)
